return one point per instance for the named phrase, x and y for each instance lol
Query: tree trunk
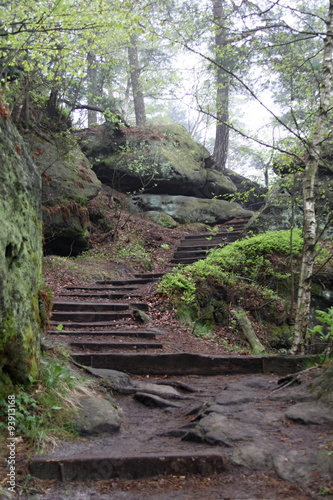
(222, 91)
(91, 80)
(134, 68)
(315, 145)
(248, 332)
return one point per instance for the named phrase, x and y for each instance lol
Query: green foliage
(325, 329)
(213, 232)
(178, 287)
(247, 273)
(44, 411)
(134, 252)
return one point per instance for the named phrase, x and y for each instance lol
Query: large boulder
(20, 261)
(188, 209)
(160, 159)
(68, 185)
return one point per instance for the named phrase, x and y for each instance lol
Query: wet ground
(146, 430)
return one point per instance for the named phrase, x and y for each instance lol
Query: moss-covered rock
(20, 261)
(188, 209)
(161, 159)
(68, 185)
(161, 218)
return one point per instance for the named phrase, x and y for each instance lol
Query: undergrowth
(44, 410)
(254, 274)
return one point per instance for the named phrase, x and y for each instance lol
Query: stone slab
(194, 364)
(83, 468)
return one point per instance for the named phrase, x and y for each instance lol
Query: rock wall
(20, 260)
(68, 184)
(188, 209)
(169, 171)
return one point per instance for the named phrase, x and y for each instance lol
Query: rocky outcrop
(188, 209)
(20, 260)
(161, 159)
(68, 184)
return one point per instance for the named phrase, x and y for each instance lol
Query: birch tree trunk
(315, 146)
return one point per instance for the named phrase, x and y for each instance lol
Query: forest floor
(142, 246)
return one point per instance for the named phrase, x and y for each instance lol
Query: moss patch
(20, 261)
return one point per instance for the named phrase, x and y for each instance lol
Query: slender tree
(222, 83)
(315, 149)
(135, 72)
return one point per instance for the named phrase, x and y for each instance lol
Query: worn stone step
(97, 295)
(92, 324)
(88, 316)
(90, 306)
(186, 260)
(149, 275)
(104, 288)
(179, 254)
(102, 467)
(195, 364)
(201, 243)
(112, 333)
(104, 346)
(198, 248)
(134, 281)
(73, 306)
(214, 237)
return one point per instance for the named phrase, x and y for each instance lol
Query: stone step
(186, 260)
(98, 295)
(104, 288)
(195, 364)
(149, 275)
(91, 324)
(112, 333)
(73, 306)
(202, 243)
(88, 316)
(104, 346)
(90, 306)
(133, 281)
(101, 467)
(179, 254)
(225, 234)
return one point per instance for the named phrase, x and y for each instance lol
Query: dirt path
(235, 420)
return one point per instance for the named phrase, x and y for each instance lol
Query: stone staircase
(105, 316)
(100, 324)
(195, 247)
(101, 317)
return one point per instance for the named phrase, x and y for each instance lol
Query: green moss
(252, 274)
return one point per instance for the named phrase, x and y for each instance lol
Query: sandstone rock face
(188, 209)
(68, 184)
(20, 260)
(161, 159)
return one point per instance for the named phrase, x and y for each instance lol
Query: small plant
(44, 410)
(213, 232)
(325, 330)
(165, 246)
